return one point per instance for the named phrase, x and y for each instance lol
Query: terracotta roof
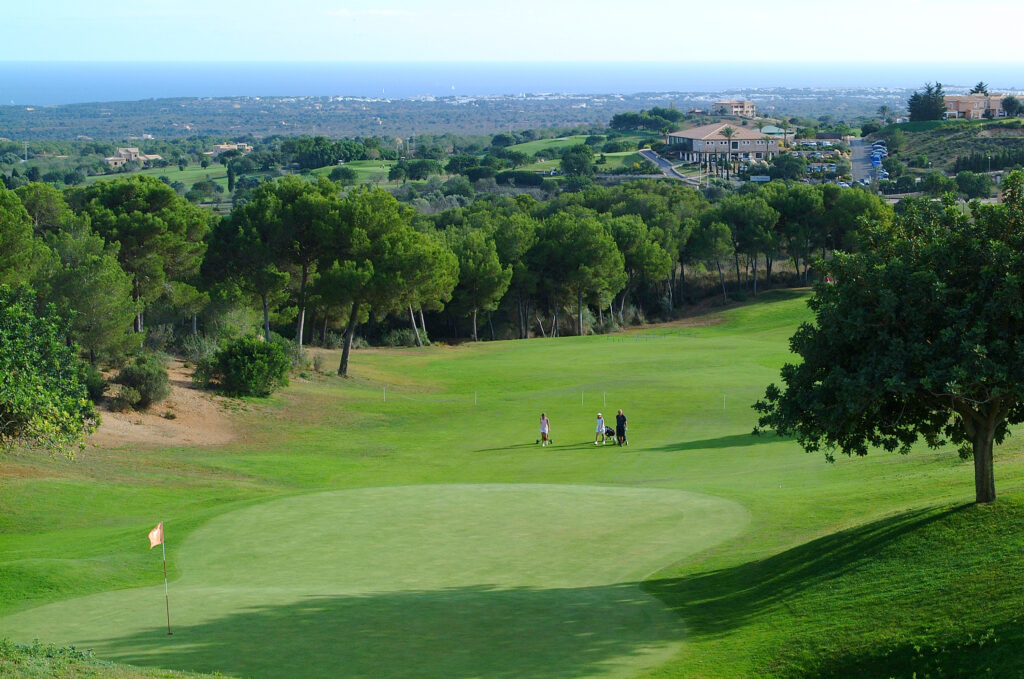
(714, 131)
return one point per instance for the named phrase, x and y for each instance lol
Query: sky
(980, 31)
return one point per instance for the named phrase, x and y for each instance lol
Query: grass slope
(834, 567)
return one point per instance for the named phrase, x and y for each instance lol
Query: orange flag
(156, 536)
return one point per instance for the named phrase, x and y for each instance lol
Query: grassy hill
(940, 142)
(404, 523)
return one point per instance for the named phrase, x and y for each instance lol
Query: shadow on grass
(451, 634)
(717, 602)
(731, 441)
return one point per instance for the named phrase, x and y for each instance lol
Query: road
(666, 167)
(860, 159)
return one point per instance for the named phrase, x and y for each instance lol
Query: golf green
(461, 580)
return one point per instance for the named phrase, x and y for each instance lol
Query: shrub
(126, 399)
(147, 376)
(197, 347)
(95, 383)
(246, 367)
(399, 337)
(159, 337)
(333, 340)
(318, 363)
(296, 355)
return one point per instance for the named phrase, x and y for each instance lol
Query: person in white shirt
(599, 436)
(545, 429)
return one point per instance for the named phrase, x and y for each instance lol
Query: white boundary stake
(581, 397)
(385, 394)
(474, 398)
(723, 401)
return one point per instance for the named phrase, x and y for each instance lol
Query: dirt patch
(189, 416)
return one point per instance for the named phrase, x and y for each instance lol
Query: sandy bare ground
(189, 416)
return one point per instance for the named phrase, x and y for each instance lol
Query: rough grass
(871, 562)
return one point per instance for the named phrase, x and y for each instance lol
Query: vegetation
(246, 367)
(928, 104)
(43, 397)
(677, 556)
(915, 339)
(145, 379)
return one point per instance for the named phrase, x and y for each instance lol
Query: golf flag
(156, 536)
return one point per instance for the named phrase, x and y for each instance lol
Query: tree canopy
(929, 104)
(920, 336)
(43, 400)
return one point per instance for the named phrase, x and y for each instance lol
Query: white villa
(698, 143)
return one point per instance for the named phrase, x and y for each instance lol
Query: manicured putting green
(497, 580)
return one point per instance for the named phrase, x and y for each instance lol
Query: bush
(333, 340)
(95, 383)
(197, 347)
(159, 337)
(245, 367)
(400, 337)
(148, 377)
(126, 399)
(296, 355)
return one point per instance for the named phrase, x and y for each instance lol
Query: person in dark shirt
(620, 428)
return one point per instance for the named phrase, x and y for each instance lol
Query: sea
(53, 83)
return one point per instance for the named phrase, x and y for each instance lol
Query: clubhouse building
(700, 143)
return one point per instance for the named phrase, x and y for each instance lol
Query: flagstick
(167, 597)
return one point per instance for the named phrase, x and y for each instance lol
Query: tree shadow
(716, 602)
(730, 441)
(454, 633)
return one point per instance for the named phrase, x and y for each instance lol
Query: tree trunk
(266, 317)
(323, 335)
(490, 323)
(350, 331)
(474, 324)
(300, 326)
(195, 324)
(721, 277)
(984, 476)
(754, 267)
(412, 317)
(579, 312)
(554, 323)
(736, 256)
(423, 325)
(540, 323)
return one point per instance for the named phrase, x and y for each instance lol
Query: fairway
(404, 523)
(445, 581)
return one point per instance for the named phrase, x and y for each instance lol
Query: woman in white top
(600, 430)
(545, 429)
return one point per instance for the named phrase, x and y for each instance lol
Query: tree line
(127, 259)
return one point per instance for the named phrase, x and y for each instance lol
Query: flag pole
(167, 597)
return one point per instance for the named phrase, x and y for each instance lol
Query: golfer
(620, 428)
(545, 429)
(600, 430)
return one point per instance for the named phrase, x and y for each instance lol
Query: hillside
(936, 145)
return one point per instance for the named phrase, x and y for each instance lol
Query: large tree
(89, 287)
(43, 400)
(482, 278)
(370, 245)
(19, 251)
(920, 336)
(240, 252)
(928, 104)
(160, 235)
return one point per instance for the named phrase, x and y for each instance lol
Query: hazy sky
(511, 30)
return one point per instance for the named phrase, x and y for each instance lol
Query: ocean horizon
(37, 83)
